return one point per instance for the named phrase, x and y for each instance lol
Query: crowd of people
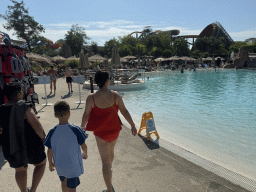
(24, 139)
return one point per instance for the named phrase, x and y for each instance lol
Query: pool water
(211, 114)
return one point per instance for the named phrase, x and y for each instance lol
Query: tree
(212, 45)
(66, 51)
(76, 38)
(94, 46)
(25, 26)
(236, 46)
(109, 45)
(180, 46)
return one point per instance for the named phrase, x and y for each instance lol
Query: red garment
(105, 122)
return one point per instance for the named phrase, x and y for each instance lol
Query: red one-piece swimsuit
(105, 122)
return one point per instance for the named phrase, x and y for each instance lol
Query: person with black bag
(22, 137)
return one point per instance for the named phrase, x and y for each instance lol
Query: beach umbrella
(201, 60)
(174, 58)
(220, 58)
(73, 58)
(207, 59)
(82, 60)
(58, 58)
(159, 59)
(147, 61)
(129, 57)
(139, 61)
(115, 60)
(97, 58)
(39, 58)
(86, 61)
(213, 61)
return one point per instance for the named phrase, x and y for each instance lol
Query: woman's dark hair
(101, 78)
(12, 89)
(52, 67)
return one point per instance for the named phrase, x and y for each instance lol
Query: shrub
(73, 63)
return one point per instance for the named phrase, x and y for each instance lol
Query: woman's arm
(87, 110)
(34, 122)
(125, 113)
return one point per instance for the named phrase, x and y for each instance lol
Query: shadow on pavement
(49, 96)
(77, 107)
(66, 96)
(150, 144)
(40, 110)
(2, 159)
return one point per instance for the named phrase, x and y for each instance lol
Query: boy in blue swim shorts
(64, 153)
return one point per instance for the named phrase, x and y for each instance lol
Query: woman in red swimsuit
(101, 116)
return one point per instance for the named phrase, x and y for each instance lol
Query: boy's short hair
(61, 108)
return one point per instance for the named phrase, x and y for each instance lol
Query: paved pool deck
(139, 165)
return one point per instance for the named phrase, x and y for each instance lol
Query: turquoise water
(212, 114)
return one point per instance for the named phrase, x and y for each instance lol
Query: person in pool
(101, 116)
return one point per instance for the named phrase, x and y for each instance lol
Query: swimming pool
(211, 114)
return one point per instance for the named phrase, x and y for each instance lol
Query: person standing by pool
(101, 116)
(69, 78)
(53, 77)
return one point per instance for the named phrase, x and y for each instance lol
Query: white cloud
(104, 30)
(242, 35)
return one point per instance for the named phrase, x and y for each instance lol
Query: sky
(104, 20)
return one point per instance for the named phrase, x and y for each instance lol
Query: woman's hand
(134, 130)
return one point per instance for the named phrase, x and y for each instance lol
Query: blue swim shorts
(71, 182)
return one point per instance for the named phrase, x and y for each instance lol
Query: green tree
(65, 51)
(94, 46)
(109, 45)
(180, 46)
(76, 38)
(140, 49)
(22, 23)
(212, 45)
(236, 46)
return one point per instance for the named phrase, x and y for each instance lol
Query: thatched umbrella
(160, 59)
(82, 61)
(213, 61)
(129, 57)
(174, 58)
(201, 60)
(139, 61)
(96, 58)
(115, 60)
(207, 59)
(58, 59)
(73, 58)
(86, 61)
(45, 62)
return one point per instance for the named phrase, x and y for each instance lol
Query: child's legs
(70, 184)
(64, 185)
